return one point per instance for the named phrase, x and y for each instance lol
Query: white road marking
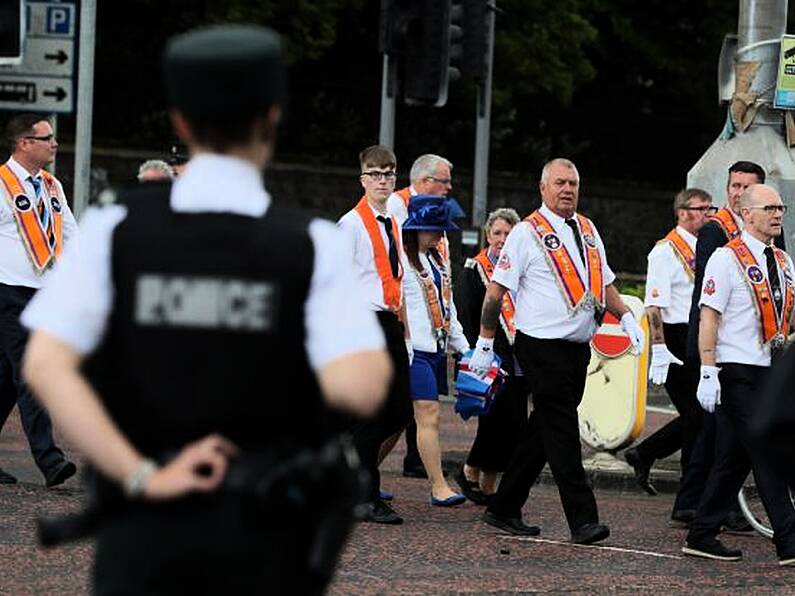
(618, 549)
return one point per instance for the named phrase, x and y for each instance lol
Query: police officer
(554, 262)
(746, 311)
(191, 350)
(669, 289)
(35, 227)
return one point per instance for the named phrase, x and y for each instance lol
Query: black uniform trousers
(557, 370)
(499, 431)
(13, 391)
(681, 384)
(215, 544)
(396, 412)
(740, 387)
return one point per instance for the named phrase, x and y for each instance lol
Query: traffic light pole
(85, 102)
(483, 134)
(386, 131)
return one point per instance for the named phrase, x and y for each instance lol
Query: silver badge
(778, 341)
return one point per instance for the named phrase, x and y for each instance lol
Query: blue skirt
(428, 375)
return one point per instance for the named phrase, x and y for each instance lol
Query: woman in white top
(435, 330)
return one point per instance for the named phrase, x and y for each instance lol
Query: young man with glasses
(374, 237)
(669, 290)
(746, 304)
(35, 226)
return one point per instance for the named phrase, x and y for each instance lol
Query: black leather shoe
(590, 533)
(379, 512)
(512, 525)
(712, 549)
(642, 469)
(735, 523)
(681, 518)
(470, 489)
(59, 473)
(6, 478)
(415, 472)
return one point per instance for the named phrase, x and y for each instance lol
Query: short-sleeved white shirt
(362, 255)
(76, 305)
(668, 285)
(541, 310)
(396, 206)
(727, 290)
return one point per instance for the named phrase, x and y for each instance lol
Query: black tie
(775, 282)
(576, 231)
(393, 256)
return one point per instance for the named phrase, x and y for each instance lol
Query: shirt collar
(689, 238)
(556, 220)
(756, 246)
(737, 219)
(20, 171)
(220, 184)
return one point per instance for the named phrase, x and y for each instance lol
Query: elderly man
(35, 226)
(555, 263)
(430, 175)
(746, 313)
(155, 170)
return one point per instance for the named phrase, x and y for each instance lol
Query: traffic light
(476, 39)
(12, 31)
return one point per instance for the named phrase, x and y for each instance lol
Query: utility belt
(283, 475)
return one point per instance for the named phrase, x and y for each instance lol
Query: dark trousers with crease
(735, 453)
(557, 370)
(682, 431)
(396, 412)
(13, 391)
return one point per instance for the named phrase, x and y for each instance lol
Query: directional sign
(43, 81)
(38, 94)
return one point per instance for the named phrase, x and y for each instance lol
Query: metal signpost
(43, 81)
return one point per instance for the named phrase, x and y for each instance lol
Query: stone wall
(630, 216)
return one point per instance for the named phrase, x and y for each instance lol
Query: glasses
(46, 138)
(770, 209)
(442, 181)
(380, 175)
(709, 209)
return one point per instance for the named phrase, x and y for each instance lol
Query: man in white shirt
(669, 289)
(746, 314)
(35, 226)
(374, 243)
(554, 262)
(194, 347)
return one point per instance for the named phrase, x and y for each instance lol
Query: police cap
(224, 70)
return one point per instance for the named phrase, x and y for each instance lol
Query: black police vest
(207, 328)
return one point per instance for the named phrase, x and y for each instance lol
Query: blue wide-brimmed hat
(430, 212)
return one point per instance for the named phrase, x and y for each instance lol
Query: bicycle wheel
(754, 511)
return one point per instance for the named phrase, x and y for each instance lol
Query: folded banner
(474, 394)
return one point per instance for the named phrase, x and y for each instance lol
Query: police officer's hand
(482, 356)
(630, 326)
(661, 359)
(199, 467)
(708, 392)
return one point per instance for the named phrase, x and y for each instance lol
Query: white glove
(708, 392)
(410, 351)
(482, 356)
(630, 326)
(661, 358)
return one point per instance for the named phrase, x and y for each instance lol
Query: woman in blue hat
(435, 329)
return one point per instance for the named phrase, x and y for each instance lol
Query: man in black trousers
(746, 311)
(555, 263)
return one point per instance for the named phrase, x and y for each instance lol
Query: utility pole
(85, 103)
(483, 131)
(386, 130)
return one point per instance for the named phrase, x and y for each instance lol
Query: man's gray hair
(156, 165)
(506, 213)
(425, 166)
(558, 161)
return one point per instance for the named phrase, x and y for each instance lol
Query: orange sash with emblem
(775, 325)
(439, 312)
(485, 268)
(389, 283)
(575, 291)
(682, 251)
(724, 218)
(43, 245)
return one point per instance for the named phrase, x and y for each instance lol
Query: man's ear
(266, 126)
(181, 126)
